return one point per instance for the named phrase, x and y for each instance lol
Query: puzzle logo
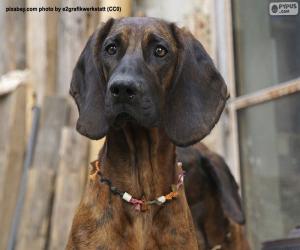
(283, 9)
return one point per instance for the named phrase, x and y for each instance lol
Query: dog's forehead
(141, 27)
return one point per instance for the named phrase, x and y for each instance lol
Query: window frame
(226, 64)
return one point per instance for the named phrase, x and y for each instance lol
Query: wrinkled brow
(120, 31)
(159, 37)
(149, 37)
(116, 37)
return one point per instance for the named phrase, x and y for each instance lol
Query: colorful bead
(127, 197)
(161, 199)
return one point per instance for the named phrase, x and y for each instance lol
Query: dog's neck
(145, 166)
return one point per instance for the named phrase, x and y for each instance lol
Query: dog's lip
(123, 118)
(119, 115)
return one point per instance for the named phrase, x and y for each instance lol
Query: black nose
(123, 91)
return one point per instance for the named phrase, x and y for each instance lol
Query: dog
(213, 196)
(147, 85)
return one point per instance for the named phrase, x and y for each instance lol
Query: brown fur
(215, 225)
(144, 104)
(104, 221)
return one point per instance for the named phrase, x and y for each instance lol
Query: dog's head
(149, 72)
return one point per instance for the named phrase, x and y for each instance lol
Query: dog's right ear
(88, 86)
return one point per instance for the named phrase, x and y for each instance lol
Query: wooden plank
(51, 48)
(74, 30)
(36, 48)
(69, 186)
(41, 37)
(12, 149)
(225, 59)
(34, 225)
(266, 94)
(232, 140)
(126, 8)
(23, 182)
(92, 17)
(13, 30)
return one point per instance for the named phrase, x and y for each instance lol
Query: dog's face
(139, 57)
(149, 72)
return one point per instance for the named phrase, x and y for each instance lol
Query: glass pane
(270, 161)
(267, 48)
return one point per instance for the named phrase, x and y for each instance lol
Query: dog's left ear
(226, 187)
(88, 86)
(198, 93)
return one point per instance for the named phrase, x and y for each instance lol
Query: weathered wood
(34, 226)
(51, 47)
(41, 37)
(70, 183)
(126, 9)
(267, 94)
(36, 48)
(74, 30)
(23, 182)
(225, 55)
(13, 31)
(12, 149)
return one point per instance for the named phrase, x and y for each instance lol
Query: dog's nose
(123, 91)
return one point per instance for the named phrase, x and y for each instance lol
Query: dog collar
(138, 204)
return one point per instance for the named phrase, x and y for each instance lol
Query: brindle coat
(147, 86)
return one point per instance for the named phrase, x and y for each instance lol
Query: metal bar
(23, 184)
(266, 94)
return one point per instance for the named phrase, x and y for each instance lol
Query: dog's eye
(160, 51)
(111, 49)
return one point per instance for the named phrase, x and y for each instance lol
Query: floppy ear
(88, 87)
(198, 93)
(227, 189)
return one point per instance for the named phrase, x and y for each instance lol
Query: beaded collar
(138, 204)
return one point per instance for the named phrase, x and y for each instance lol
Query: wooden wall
(12, 33)
(12, 150)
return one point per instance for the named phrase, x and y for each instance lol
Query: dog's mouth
(120, 115)
(123, 118)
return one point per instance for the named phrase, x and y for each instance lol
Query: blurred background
(44, 161)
